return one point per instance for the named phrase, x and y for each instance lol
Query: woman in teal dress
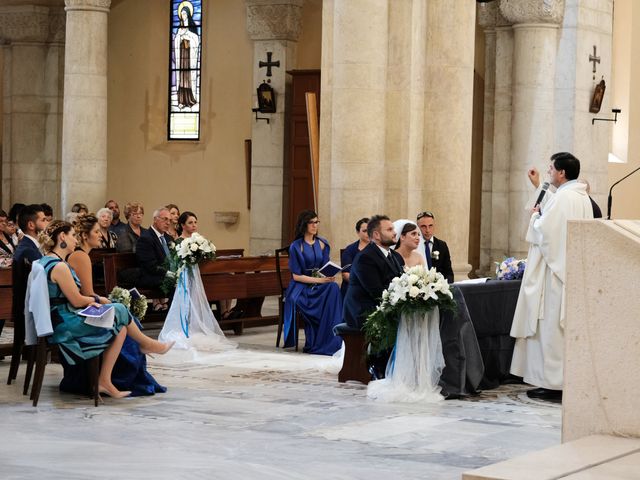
(77, 340)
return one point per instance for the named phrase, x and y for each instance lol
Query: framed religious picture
(266, 99)
(598, 95)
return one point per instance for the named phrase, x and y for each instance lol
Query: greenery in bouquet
(511, 268)
(417, 290)
(183, 254)
(137, 306)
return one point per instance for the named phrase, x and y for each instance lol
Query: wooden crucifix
(270, 64)
(594, 59)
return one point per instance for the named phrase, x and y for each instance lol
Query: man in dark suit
(372, 271)
(152, 248)
(434, 250)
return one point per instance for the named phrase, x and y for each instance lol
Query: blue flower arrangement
(511, 269)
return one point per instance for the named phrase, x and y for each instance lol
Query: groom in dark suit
(372, 271)
(152, 248)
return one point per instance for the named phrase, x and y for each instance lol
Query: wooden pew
(6, 302)
(223, 279)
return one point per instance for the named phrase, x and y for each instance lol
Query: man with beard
(372, 271)
(117, 226)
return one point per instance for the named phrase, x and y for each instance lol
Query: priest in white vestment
(538, 323)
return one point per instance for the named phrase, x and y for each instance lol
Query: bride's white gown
(416, 363)
(190, 321)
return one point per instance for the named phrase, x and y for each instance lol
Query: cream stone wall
(205, 176)
(625, 95)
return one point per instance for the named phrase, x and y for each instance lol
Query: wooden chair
(354, 365)
(20, 274)
(297, 320)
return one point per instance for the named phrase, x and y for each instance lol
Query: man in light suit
(437, 254)
(152, 248)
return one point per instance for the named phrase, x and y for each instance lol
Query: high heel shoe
(120, 394)
(151, 353)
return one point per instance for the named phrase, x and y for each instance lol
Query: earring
(63, 244)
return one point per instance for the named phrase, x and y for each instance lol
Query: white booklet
(102, 317)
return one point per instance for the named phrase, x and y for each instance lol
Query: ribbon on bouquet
(183, 291)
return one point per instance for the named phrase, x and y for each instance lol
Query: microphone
(610, 199)
(543, 192)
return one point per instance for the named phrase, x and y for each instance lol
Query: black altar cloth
(491, 306)
(464, 367)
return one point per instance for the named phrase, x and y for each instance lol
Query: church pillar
(32, 39)
(487, 14)
(449, 85)
(354, 112)
(274, 26)
(84, 131)
(535, 29)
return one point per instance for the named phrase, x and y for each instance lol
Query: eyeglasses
(165, 219)
(425, 214)
(313, 222)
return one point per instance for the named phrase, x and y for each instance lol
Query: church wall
(205, 176)
(626, 46)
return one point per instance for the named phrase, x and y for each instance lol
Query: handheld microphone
(543, 192)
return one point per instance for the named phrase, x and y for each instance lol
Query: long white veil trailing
(190, 321)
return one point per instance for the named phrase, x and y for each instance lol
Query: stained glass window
(184, 70)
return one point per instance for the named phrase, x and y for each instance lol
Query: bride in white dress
(416, 363)
(190, 323)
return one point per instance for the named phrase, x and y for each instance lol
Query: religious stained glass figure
(184, 88)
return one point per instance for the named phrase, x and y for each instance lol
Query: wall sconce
(615, 112)
(266, 101)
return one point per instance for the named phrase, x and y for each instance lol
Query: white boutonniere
(435, 255)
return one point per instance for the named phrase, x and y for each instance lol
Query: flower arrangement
(183, 255)
(137, 306)
(511, 269)
(416, 290)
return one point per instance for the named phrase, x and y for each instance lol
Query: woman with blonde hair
(174, 211)
(134, 213)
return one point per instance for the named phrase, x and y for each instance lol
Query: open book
(99, 317)
(331, 269)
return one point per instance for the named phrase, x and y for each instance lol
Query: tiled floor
(260, 413)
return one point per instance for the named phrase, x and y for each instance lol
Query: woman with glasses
(314, 296)
(134, 213)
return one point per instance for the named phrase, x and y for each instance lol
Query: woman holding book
(316, 297)
(77, 340)
(130, 371)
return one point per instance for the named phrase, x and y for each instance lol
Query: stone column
(274, 26)
(535, 29)
(448, 113)
(84, 131)
(32, 39)
(353, 121)
(487, 15)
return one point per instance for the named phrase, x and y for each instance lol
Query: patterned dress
(76, 339)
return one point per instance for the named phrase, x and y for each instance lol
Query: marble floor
(258, 412)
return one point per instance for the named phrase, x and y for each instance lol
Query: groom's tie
(163, 242)
(427, 253)
(395, 266)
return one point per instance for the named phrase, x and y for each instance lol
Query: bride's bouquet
(417, 290)
(183, 255)
(511, 269)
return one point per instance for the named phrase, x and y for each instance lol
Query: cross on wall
(268, 64)
(594, 59)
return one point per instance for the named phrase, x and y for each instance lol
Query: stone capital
(274, 19)
(532, 11)
(488, 14)
(31, 23)
(92, 5)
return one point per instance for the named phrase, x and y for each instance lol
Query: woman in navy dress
(348, 255)
(317, 298)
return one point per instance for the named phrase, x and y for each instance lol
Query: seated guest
(7, 247)
(152, 248)
(435, 250)
(174, 211)
(77, 340)
(108, 238)
(70, 217)
(408, 243)
(130, 371)
(316, 298)
(349, 253)
(12, 230)
(187, 225)
(127, 239)
(116, 226)
(48, 211)
(79, 208)
(13, 216)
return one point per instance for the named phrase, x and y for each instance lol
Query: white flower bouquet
(416, 290)
(184, 254)
(137, 306)
(511, 269)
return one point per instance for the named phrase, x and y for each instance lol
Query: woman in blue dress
(77, 340)
(348, 255)
(317, 298)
